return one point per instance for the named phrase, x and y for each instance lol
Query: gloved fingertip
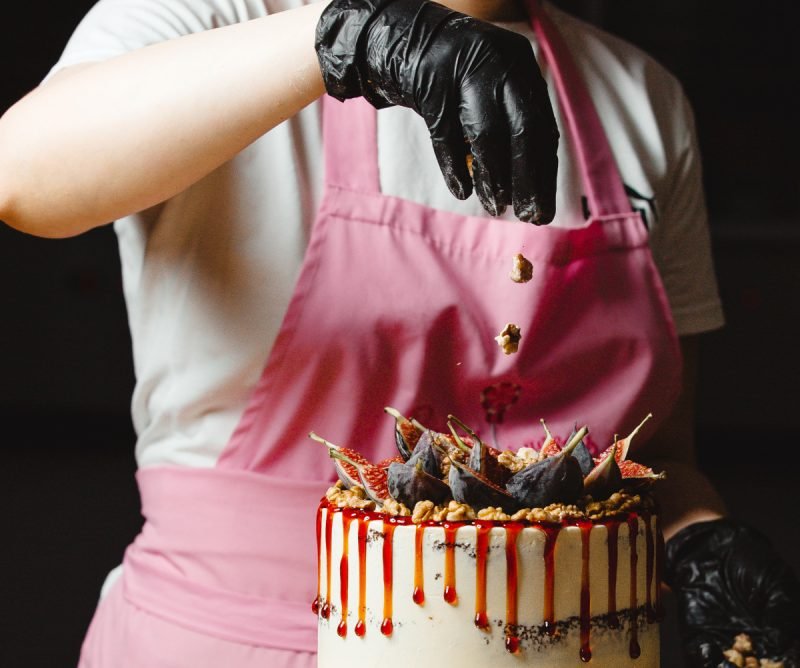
(458, 188)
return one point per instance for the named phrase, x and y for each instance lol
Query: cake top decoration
(457, 471)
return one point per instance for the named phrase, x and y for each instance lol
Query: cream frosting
(553, 595)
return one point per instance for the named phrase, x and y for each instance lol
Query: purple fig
(581, 453)
(605, 478)
(427, 455)
(469, 486)
(409, 483)
(406, 432)
(482, 458)
(556, 479)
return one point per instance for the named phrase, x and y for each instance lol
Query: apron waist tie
(227, 553)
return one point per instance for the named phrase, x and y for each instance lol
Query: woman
(197, 127)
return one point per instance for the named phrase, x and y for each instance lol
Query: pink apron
(396, 305)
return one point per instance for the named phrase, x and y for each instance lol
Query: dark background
(69, 497)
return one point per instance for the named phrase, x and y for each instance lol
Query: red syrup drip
(316, 604)
(585, 615)
(612, 526)
(551, 534)
(344, 571)
(361, 625)
(326, 607)
(481, 550)
(419, 577)
(633, 528)
(660, 557)
(512, 587)
(450, 594)
(388, 539)
(650, 611)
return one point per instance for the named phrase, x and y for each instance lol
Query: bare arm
(102, 140)
(686, 496)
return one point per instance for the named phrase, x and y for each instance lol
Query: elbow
(19, 211)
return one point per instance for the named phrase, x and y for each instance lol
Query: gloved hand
(728, 579)
(477, 86)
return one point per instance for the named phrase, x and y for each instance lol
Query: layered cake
(457, 553)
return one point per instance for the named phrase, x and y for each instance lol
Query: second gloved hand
(477, 86)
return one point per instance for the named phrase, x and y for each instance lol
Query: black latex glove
(477, 86)
(728, 579)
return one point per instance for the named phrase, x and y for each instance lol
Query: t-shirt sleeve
(114, 27)
(680, 239)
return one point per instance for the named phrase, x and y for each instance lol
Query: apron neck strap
(350, 130)
(350, 144)
(599, 172)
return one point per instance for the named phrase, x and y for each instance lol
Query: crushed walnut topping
(422, 512)
(741, 654)
(355, 497)
(395, 509)
(516, 461)
(509, 338)
(522, 269)
(493, 514)
(459, 512)
(618, 504)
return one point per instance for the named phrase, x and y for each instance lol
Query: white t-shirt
(208, 274)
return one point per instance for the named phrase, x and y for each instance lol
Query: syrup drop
(585, 614)
(450, 594)
(613, 537)
(344, 571)
(481, 550)
(419, 575)
(388, 540)
(633, 528)
(362, 578)
(650, 611)
(551, 534)
(512, 531)
(512, 644)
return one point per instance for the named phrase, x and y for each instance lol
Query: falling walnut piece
(509, 338)
(522, 270)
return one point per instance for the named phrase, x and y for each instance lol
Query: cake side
(544, 594)
(456, 551)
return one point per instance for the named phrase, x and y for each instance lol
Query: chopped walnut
(395, 508)
(541, 515)
(522, 270)
(355, 497)
(423, 511)
(741, 654)
(743, 644)
(734, 657)
(529, 455)
(458, 512)
(494, 514)
(509, 338)
(511, 461)
(619, 503)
